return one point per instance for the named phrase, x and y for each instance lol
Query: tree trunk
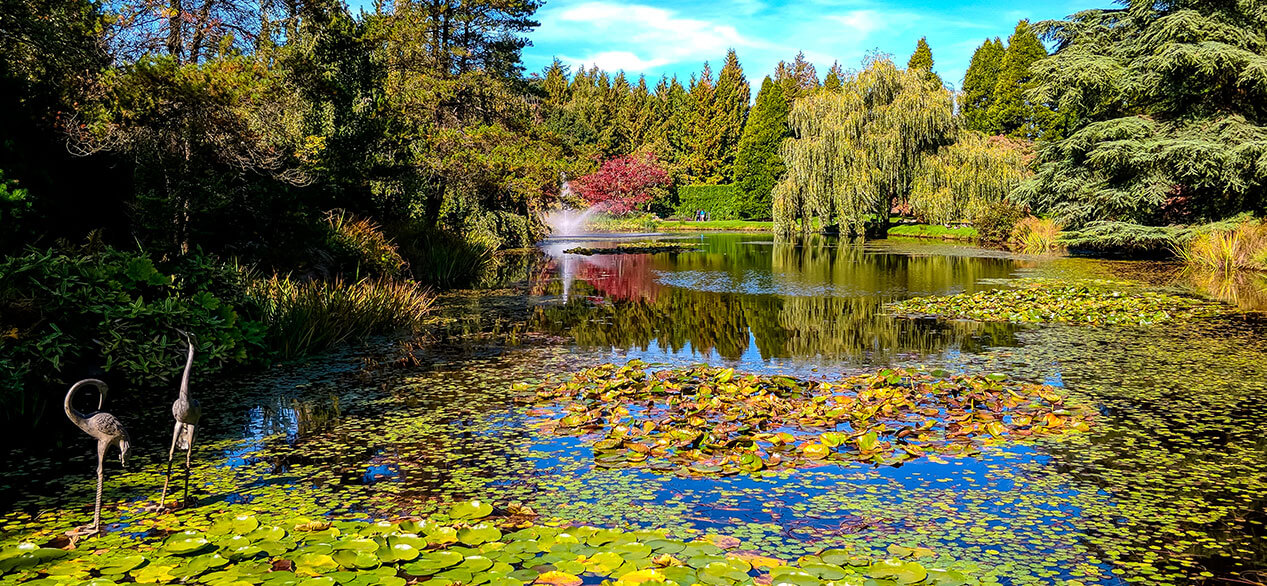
(175, 21)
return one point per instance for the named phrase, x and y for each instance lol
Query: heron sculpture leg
(101, 477)
(171, 454)
(188, 467)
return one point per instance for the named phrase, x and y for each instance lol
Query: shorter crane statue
(187, 413)
(108, 431)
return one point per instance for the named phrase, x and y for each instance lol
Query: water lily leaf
(314, 564)
(474, 509)
(554, 578)
(186, 542)
(478, 534)
(816, 451)
(901, 572)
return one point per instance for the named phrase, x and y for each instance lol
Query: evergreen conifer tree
(834, 76)
(922, 59)
(731, 110)
(978, 86)
(556, 84)
(758, 166)
(1011, 112)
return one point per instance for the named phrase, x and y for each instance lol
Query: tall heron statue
(187, 413)
(108, 431)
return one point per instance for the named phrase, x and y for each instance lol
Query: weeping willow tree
(855, 153)
(964, 178)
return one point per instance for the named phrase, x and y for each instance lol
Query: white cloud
(861, 21)
(616, 61)
(637, 37)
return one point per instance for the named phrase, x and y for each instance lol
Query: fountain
(567, 222)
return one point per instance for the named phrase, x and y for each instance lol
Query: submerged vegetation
(714, 421)
(1042, 301)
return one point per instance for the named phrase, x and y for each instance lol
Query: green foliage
(934, 231)
(306, 317)
(15, 202)
(442, 259)
(995, 221)
(1011, 110)
(647, 247)
(967, 177)
(797, 78)
(62, 315)
(1243, 247)
(832, 82)
(471, 542)
(855, 154)
(1043, 300)
(360, 245)
(1167, 103)
(1123, 238)
(759, 166)
(922, 59)
(978, 86)
(720, 202)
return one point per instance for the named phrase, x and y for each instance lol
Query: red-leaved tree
(623, 184)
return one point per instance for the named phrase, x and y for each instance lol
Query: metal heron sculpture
(108, 431)
(187, 413)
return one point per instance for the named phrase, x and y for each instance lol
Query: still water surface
(1169, 486)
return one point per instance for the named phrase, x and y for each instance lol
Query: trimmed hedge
(720, 202)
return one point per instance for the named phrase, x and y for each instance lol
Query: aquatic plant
(473, 543)
(310, 316)
(1243, 247)
(634, 248)
(360, 243)
(1033, 235)
(714, 421)
(1041, 300)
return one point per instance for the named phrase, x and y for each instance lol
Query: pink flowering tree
(623, 184)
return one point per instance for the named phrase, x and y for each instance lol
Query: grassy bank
(937, 231)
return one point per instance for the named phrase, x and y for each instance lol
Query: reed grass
(1033, 235)
(1242, 247)
(305, 317)
(361, 241)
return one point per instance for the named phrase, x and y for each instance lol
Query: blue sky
(661, 37)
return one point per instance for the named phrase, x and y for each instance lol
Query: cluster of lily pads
(1044, 301)
(712, 421)
(468, 546)
(634, 248)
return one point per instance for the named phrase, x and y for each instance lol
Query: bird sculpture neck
(75, 416)
(184, 378)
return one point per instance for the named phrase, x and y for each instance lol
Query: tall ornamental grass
(310, 316)
(1034, 235)
(1243, 247)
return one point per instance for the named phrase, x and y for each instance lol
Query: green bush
(442, 259)
(995, 221)
(720, 202)
(358, 246)
(1124, 238)
(306, 317)
(63, 316)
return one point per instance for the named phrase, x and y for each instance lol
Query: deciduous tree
(623, 184)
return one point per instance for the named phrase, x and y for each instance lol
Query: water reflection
(819, 299)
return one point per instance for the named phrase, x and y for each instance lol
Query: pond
(1169, 485)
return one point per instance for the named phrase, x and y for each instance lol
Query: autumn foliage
(623, 184)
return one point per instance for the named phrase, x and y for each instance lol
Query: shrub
(1034, 235)
(66, 316)
(1123, 238)
(359, 244)
(720, 202)
(305, 317)
(1228, 250)
(442, 259)
(994, 222)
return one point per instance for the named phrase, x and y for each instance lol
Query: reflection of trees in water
(640, 311)
(849, 267)
(795, 327)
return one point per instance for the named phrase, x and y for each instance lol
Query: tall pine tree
(834, 76)
(758, 166)
(796, 78)
(704, 148)
(922, 59)
(978, 86)
(731, 110)
(1011, 112)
